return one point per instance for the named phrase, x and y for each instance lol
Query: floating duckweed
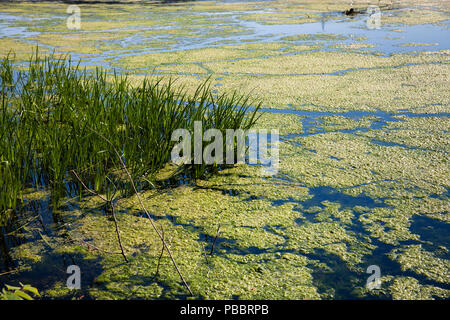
(413, 16)
(28, 253)
(20, 48)
(420, 261)
(352, 45)
(336, 123)
(422, 133)
(315, 37)
(412, 44)
(408, 288)
(284, 123)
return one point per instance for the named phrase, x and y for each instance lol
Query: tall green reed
(54, 113)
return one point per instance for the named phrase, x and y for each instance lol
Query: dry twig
(161, 237)
(109, 202)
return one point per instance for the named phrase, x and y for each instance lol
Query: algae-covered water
(362, 107)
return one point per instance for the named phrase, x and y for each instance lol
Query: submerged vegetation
(55, 117)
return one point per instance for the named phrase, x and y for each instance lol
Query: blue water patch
(323, 193)
(434, 234)
(386, 40)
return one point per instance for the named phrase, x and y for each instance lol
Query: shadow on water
(340, 281)
(36, 222)
(323, 193)
(337, 280)
(435, 234)
(330, 194)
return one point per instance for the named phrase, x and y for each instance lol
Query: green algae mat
(361, 103)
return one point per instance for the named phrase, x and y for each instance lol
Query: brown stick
(145, 210)
(8, 272)
(95, 247)
(215, 239)
(110, 202)
(87, 189)
(117, 232)
(160, 256)
(204, 253)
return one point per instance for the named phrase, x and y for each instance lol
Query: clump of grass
(53, 116)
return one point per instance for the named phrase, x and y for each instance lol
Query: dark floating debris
(352, 12)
